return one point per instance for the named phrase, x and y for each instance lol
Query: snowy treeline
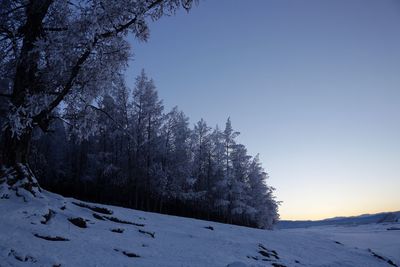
(143, 157)
(61, 81)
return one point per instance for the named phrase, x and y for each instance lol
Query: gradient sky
(313, 86)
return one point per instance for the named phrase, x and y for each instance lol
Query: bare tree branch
(5, 95)
(13, 10)
(55, 29)
(85, 56)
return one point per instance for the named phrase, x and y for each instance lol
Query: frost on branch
(78, 48)
(17, 121)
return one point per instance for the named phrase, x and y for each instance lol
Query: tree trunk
(15, 171)
(16, 149)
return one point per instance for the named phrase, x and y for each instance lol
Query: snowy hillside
(51, 230)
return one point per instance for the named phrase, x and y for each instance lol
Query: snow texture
(39, 233)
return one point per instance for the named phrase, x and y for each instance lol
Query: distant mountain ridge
(382, 217)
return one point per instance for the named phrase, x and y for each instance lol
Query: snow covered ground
(45, 232)
(375, 237)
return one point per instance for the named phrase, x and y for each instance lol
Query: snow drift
(50, 230)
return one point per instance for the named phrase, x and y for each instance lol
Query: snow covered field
(47, 232)
(375, 237)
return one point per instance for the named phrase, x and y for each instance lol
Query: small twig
(13, 10)
(152, 234)
(5, 95)
(59, 29)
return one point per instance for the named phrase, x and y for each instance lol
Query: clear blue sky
(313, 86)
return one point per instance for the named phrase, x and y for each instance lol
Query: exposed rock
(93, 208)
(51, 238)
(152, 234)
(81, 223)
(114, 219)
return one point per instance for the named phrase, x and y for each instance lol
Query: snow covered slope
(50, 230)
(382, 239)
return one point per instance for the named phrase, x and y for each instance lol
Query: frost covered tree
(147, 114)
(143, 158)
(229, 136)
(175, 156)
(262, 207)
(238, 181)
(219, 181)
(201, 146)
(229, 144)
(56, 51)
(108, 136)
